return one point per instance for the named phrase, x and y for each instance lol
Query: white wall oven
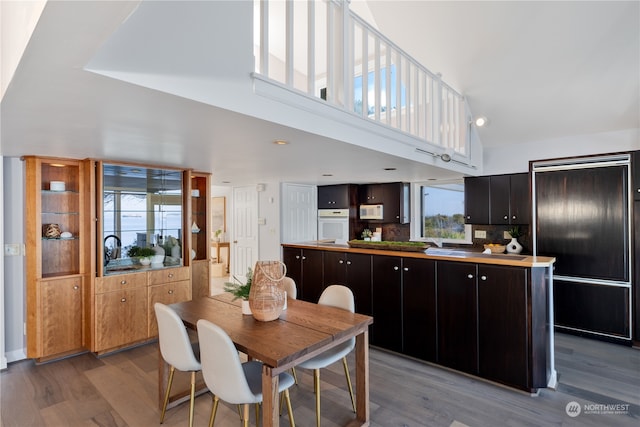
(333, 225)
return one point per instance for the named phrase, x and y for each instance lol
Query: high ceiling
(537, 70)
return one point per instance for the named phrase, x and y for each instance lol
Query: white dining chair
(228, 378)
(341, 297)
(289, 286)
(177, 350)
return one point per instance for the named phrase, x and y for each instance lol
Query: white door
(245, 230)
(299, 213)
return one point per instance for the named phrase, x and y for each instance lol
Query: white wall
(13, 224)
(515, 158)
(269, 232)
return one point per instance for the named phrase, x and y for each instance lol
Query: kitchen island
(488, 315)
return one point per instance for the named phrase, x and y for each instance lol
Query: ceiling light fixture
(480, 121)
(280, 142)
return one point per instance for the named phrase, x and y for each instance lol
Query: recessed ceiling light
(389, 169)
(327, 174)
(280, 142)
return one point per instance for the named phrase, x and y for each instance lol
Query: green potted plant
(216, 234)
(241, 290)
(142, 255)
(366, 234)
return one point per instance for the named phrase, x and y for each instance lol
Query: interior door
(299, 219)
(245, 230)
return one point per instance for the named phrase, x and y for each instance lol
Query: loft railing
(323, 49)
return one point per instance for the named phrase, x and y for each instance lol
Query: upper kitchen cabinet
(339, 196)
(57, 254)
(476, 200)
(394, 198)
(509, 199)
(497, 199)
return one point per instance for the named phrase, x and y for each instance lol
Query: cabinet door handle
(470, 276)
(395, 268)
(513, 217)
(170, 275)
(341, 262)
(123, 300)
(297, 256)
(406, 269)
(170, 292)
(468, 216)
(348, 262)
(123, 282)
(506, 217)
(483, 277)
(304, 257)
(76, 287)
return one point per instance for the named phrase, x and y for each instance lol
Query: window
(442, 213)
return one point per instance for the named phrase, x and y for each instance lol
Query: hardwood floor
(121, 390)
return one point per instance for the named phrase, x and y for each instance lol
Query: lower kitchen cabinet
(304, 266)
(61, 314)
(457, 316)
(502, 324)
(352, 270)
(121, 318)
(404, 306)
(419, 330)
(386, 332)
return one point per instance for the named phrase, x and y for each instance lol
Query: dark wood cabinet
(352, 270)
(395, 198)
(476, 200)
(304, 266)
(457, 316)
(339, 196)
(502, 324)
(386, 332)
(419, 330)
(591, 307)
(497, 199)
(509, 199)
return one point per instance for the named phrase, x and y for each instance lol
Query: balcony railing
(323, 49)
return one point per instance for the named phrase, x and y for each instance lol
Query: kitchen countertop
(438, 254)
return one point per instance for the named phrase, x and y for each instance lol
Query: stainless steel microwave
(371, 211)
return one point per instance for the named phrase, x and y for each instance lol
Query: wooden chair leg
(193, 397)
(214, 408)
(346, 373)
(316, 386)
(289, 408)
(167, 393)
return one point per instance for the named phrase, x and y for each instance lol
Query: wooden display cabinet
(57, 255)
(200, 196)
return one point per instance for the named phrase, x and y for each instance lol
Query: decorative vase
(266, 297)
(514, 247)
(246, 309)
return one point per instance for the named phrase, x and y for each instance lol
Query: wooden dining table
(302, 331)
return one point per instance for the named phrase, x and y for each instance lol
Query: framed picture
(218, 211)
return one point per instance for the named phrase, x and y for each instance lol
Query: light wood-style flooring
(121, 390)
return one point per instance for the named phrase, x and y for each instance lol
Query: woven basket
(266, 297)
(51, 231)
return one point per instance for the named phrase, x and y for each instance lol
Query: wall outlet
(480, 234)
(12, 249)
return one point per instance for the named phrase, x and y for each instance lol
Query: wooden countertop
(438, 254)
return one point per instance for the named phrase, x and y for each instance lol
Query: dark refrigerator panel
(582, 220)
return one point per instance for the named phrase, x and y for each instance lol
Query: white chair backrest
(221, 366)
(173, 338)
(338, 296)
(290, 287)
